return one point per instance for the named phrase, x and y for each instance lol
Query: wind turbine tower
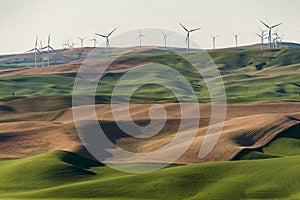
(36, 50)
(107, 39)
(95, 41)
(48, 47)
(81, 40)
(71, 44)
(189, 31)
(41, 50)
(236, 38)
(165, 38)
(277, 40)
(262, 37)
(214, 40)
(140, 36)
(65, 44)
(270, 32)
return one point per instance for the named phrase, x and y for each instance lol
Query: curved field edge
(286, 143)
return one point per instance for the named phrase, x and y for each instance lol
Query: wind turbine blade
(52, 48)
(259, 35)
(36, 41)
(49, 39)
(184, 27)
(196, 29)
(29, 50)
(39, 51)
(265, 24)
(111, 32)
(101, 35)
(276, 25)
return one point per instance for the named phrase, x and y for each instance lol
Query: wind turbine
(140, 36)
(41, 50)
(81, 40)
(65, 44)
(188, 35)
(95, 41)
(48, 47)
(236, 37)
(36, 50)
(277, 40)
(69, 43)
(165, 38)
(214, 40)
(270, 32)
(107, 39)
(262, 36)
(280, 40)
(72, 44)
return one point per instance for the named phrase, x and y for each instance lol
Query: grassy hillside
(249, 75)
(35, 85)
(63, 175)
(270, 172)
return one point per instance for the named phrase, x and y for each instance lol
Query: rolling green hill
(36, 85)
(64, 175)
(248, 76)
(270, 172)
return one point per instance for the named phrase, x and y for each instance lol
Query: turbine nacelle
(81, 40)
(270, 31)
(188, 35)
(140, 36)
(106, 37)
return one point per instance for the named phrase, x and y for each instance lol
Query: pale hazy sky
(22, 20)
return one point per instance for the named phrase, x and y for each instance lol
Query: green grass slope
(63, 175)
(249, 76)
(35, 85)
